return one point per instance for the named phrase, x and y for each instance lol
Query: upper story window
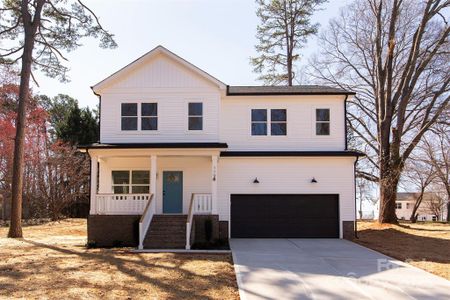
(259, 121)
(277, 120)
(134, 182)
(323, 121)
(129, 116)
(195, 116)
(398, 205)
(149, 116)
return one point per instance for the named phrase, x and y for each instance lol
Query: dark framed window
(259, 121)
(121, 182)
(195, 116)
(134, 182)
(398, 205)
(129, 116)
(149, 116)
(323, 121)
(278, 122)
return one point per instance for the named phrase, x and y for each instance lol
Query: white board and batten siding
(288, 175)
(172, 86)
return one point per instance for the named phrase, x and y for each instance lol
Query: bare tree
(436, 204)
(437, 149)
(64, 178)
(363, 188)
(419, 175)
(37, 32)
(395, 55)
(284, 29)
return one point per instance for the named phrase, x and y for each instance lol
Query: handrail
(189, 223)
(200, 204)
(145, 220)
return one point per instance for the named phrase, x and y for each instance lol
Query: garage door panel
(284, 216)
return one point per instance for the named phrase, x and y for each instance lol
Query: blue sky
(217, 36)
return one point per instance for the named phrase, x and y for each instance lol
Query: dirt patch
(51, 262)
(424, 245)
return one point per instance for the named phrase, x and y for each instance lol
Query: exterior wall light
(256, 180)
(313, 180)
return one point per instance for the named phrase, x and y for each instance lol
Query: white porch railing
(123, 204)
(146, 219)
(201, 204)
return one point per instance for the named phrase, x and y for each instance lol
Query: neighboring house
(179, 147)
(427, 212)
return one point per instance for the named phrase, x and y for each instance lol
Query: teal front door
(172, 192)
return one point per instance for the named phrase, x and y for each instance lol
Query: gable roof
(155, 51)
(230, 90)
(286, 90)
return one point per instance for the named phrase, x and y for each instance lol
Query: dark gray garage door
(284, 216)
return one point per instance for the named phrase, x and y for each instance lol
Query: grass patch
(424, 245)
(52, 261)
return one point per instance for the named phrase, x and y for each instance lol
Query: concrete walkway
(327, 269)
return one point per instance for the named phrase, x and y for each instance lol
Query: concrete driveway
(327, 269)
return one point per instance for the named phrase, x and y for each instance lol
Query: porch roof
(153, 146)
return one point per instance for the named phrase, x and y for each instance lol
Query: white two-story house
(184, 157)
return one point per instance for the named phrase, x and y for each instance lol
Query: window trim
(195, 131)
(314, 122)
(139, 130)
(268, 123)
(130, 177)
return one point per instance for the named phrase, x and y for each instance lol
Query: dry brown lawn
(424, 245)
(51, 262)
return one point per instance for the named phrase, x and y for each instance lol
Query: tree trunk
(389, 179)
(448, 210)
(414, 214)
(388, 195)
(15, 229)
(289, 66)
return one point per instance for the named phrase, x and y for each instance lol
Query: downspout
(354, 165)
(356, 212)
(90, 179)
(99, 111)
(346, 120)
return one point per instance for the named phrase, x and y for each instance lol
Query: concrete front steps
(166, 232)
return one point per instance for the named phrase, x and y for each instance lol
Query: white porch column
(214, 178)
(94, 176)
(153, 168)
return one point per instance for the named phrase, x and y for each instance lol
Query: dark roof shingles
(286, 90)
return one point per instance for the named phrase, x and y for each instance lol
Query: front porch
(130, 185)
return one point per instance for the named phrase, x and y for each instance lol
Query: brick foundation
(223, 230)
(199, 227)
(110, 231)
(348, 230)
